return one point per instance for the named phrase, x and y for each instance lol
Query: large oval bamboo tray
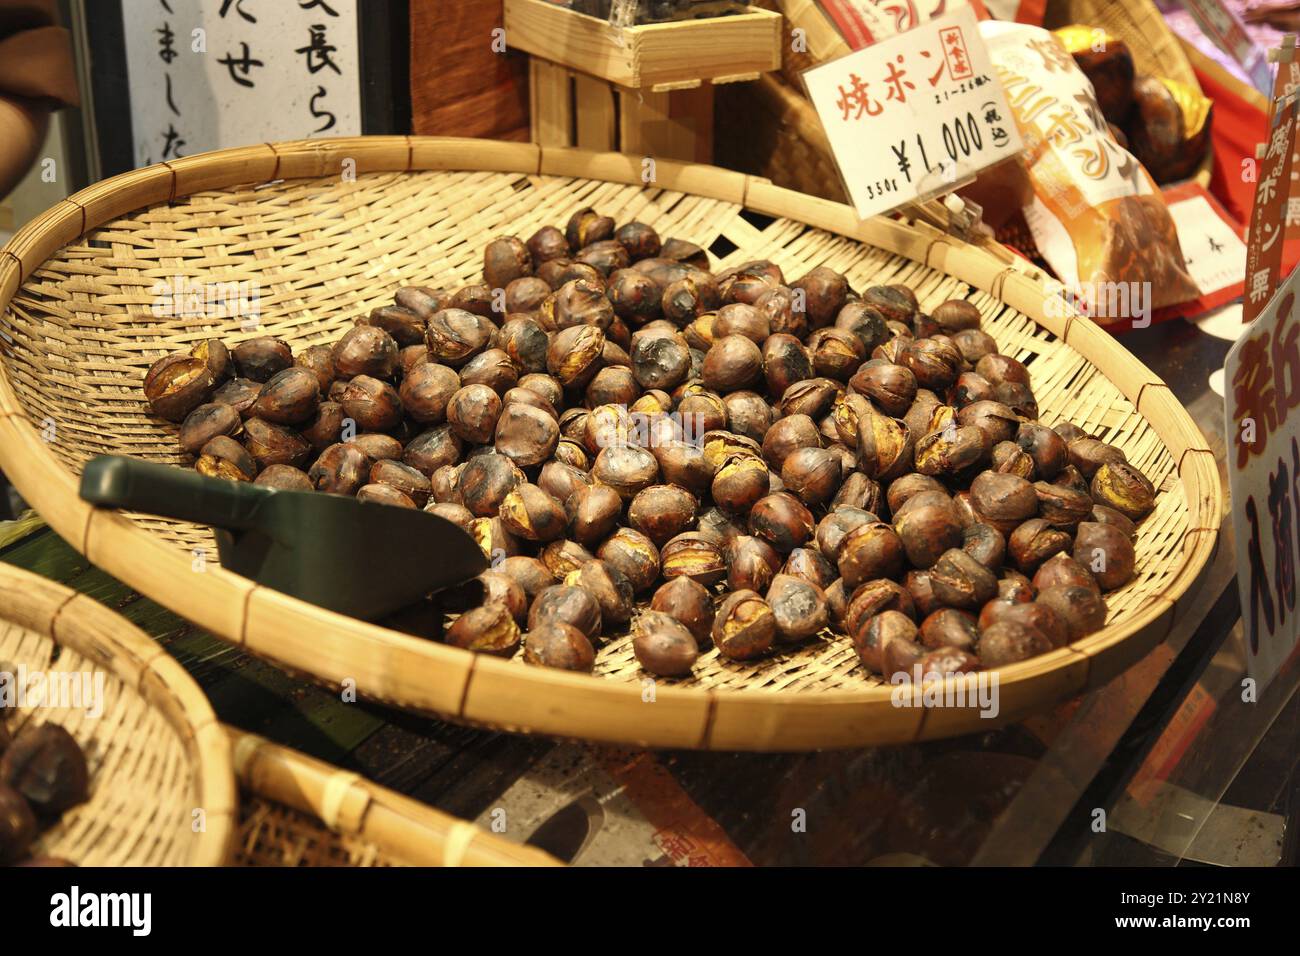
(298, 811)
(156, 752)
(326, 247)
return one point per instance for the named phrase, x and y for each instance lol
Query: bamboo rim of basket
(81, 624)
(397, 826)
(423, 676)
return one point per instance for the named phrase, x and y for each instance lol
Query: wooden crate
(575, 109)
(659, 55)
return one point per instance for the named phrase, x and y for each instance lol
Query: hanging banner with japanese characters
(1262, 411)
(1264, 242)
(915, 114)
(206, 74)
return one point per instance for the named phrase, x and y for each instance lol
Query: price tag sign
(915, 114)
(1262, 412)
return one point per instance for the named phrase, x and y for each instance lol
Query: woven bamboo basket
(770, 128)
(80, 333)
(297, 811)
(155, 751)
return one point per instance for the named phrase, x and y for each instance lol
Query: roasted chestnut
(609, 586)
(1081, 608)
(490, 629)
(662, 512)
(663, 646)
(1007, 642)
(504, 260)
(635, 555)
(566, 604)
(1062, 507)
(177, 384)
(744, 627)
(798, 607)
(694, 556)
(206, 423)
(1107, 552)
(752, 563)
(530, 513)
(558, 645)
(782, 520)
(454, 336)
(1003, 500)
(284, 478)
(960, 581)
(1033, 542)
(593, 512)
(740, 482)
(260, 358)
(1061, 569)
(373, 404)
(949, 627)
(871, 550)
(877, 633)
(274, 444)
(812, 474)
(45, 765)
(927, 528)
(526, 435)
(1118, 485)
(403, 478)
(365, 350)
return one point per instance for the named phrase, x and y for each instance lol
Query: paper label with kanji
(1262, 413)
(915, 114)
(1214, 254)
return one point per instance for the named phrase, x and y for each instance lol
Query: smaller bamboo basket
(298, 811)
(769, 127)
(161, 788)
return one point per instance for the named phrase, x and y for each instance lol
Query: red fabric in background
(1236, 128)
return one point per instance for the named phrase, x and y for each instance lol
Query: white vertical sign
(206, 74)
(1262, 412)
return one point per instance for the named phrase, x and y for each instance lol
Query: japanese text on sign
(201, 73)
(1262, 375)
(914, 114)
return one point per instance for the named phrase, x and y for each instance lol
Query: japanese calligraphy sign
(1262, 413)
(915, 114)
(1267, 223)
(205, 74)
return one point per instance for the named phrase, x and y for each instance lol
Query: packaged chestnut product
(1096, 216)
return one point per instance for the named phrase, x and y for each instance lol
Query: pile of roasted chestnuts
(42, 774)
(764, 460)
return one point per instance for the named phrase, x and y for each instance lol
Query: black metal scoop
(355, 557)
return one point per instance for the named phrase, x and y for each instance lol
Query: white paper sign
(1262, 412)
(206, 74)
(1213, 253)
(915, 114)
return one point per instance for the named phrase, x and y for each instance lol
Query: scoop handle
(170, 492)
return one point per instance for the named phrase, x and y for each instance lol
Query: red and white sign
(914, 115)
(1264, 242)
(1213, 251)
(1262, 414)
